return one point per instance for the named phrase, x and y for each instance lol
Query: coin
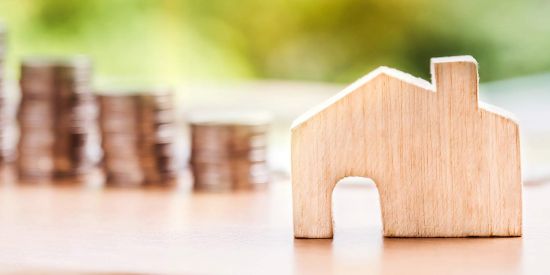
(138, 126)
(229, 151)
(7, 152)
(57, 104)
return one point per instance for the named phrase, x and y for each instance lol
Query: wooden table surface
(74, 228)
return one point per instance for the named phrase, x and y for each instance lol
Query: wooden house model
(444, 164)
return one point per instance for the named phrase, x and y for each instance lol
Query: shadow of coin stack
(229, 151)
(57, 119)
(138, 134)
(6, 146)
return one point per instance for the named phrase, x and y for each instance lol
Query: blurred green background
(318, 40)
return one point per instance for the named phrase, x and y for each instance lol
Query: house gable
(357, 85)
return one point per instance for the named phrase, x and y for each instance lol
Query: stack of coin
(6, 151)
(6, 146)
(157, 135)
(57, 119)
(76, 132)
(138, 136)
(119, 122)
(229, 151)
(36, 119)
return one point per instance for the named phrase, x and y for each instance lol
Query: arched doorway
(356, 207)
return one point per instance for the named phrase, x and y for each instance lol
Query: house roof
(405, 77)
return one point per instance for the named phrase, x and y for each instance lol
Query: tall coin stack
(57, 118)
(119, 122)
(229, 151)
(6, 150)
(138, 137)
(158, 133)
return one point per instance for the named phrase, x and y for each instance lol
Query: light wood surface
(87, 229)
(444, 165)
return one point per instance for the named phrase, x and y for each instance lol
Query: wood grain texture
(444, 164)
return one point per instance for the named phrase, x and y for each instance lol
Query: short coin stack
(57, 119)
(229, 151)
(138, 136)
(6, 150)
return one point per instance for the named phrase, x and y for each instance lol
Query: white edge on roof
(497, 110)
(454, 59)
(405, 77)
